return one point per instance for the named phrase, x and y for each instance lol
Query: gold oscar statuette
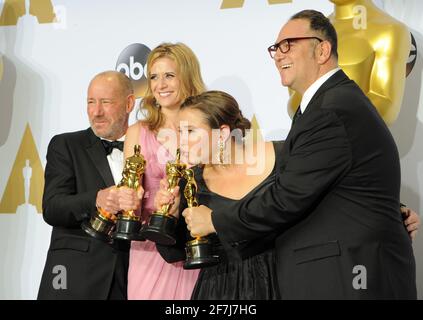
(199, 251)
(161, 226)
(127, 224)
(373, 50)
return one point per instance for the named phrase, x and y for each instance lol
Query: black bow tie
(110, 145)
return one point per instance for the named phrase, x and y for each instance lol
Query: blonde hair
(188, 69)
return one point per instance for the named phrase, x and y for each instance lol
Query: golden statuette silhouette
(373, 50)
(199, 251)
(161, 226)
(126, 224)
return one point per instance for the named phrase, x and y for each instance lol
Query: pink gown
(149, 275)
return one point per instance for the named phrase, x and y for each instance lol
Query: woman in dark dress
(224, 174)
(243, 272)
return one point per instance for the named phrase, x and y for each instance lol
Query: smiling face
(108, 107)
(298, 67)
(195, 137)
(165, 83)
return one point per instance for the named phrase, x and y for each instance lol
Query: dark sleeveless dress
(246, 271)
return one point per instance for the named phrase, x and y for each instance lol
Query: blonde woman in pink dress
(173, 74)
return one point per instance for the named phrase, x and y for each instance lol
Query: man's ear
(130, 103)
(324, 52)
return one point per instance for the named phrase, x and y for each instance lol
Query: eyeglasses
(285, 44)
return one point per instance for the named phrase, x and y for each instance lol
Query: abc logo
(132, 62)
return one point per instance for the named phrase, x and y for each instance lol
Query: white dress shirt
(115, 159)
(309, 93)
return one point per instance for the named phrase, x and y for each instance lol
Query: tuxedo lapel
(333, 81)
(98, 156)
(296, 116)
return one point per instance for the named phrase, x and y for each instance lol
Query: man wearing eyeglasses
(335, 200)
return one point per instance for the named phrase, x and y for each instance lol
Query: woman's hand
(164, 197)
(411, 221)
(130, 199)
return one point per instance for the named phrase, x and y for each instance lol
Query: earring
(221, 152)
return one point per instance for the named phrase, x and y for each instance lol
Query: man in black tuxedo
(82, 170)
(335, 200)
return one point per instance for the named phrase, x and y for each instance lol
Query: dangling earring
(156, 104)
(221, 152)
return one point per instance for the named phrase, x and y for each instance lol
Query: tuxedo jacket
(77, 168)
(335, 204)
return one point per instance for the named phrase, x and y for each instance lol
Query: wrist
(98, 199)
